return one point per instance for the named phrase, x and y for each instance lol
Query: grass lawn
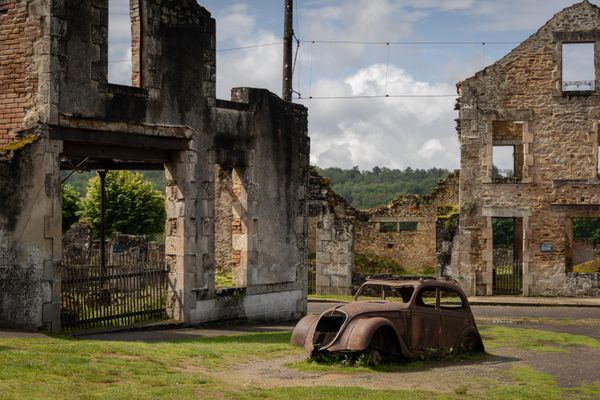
(205, 368)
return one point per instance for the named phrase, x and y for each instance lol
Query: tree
(133, 206)
(70, 206)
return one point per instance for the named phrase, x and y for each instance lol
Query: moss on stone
(7, 151)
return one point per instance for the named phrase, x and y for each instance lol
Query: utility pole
(288, 33)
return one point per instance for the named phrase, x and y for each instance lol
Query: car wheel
(374, 358)
(468, 345)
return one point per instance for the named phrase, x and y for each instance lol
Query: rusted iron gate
(508, 279)
(95, 297)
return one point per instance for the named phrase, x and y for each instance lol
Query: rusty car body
(401, 318)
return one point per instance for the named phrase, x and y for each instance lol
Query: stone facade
(54, 92)
(331, 235)
(519, 101)
(337, 232)
(405, 229)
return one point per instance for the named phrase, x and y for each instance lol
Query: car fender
(466, 331)
(304, 330)
(358, 334)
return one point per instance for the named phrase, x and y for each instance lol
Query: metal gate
(508, 279)
(312, 279)
(116, 295)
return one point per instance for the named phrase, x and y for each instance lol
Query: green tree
(70, 206)
(133, 206)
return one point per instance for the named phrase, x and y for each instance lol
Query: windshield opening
(385, 293)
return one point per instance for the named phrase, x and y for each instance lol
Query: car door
(425, 320)
(454, 314)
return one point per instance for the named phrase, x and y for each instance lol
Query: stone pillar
(31, 237)
(182, 237)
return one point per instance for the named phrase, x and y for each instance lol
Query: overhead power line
(374, 96)
(403, 42)
(250, 47)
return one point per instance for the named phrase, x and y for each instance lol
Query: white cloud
(392, 132)
(119, 43)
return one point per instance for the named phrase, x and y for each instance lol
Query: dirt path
(571, 369)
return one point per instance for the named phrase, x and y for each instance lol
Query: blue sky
(391, 132)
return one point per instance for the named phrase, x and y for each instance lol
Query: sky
(393, 132)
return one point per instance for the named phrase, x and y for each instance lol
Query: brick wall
(18, 82)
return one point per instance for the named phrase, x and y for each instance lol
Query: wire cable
(250, 47)
(387, 96)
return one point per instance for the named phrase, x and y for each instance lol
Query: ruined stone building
(242, 163)
(405, 231)
(539, 102)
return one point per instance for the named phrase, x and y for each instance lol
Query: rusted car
(398, 318)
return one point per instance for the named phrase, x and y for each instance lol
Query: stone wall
(409, 245)
(519, 101)
(331, 235)
(30, 237)
(170, 116)
(337, 232)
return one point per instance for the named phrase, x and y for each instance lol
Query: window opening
(505, 164)
(450, 300)
(578, 71)
(408, 226)
(427, 298)
(388, 227)
(585, 245)
(119, 42)
(231, 231)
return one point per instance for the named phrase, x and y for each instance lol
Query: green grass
(58, 368)
(527, 383)
(63, 367)
(532, 339)
(341, 393)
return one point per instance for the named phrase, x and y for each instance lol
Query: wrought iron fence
(312, 279)
(578, 86)
(508, 278)
(96, 297)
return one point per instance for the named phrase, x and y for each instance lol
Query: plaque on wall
(546, 247)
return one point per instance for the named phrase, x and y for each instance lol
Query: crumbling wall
(30, 236)
(409, 246)
(172, 97)
(331, 234)
(264, 142)
(558, 132)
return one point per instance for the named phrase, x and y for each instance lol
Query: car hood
(362, 307)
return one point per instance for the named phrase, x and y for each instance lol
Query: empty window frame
(585, 245)
(385, 227)
(507, 163)
(408, 226)
(578, 70)
(119, 42)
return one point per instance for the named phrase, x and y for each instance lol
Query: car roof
(413, 282)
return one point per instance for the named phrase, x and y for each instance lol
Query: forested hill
(368, 189)
(362, 189)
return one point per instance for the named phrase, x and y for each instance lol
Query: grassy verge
(58, 368)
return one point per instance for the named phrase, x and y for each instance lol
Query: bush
(70, 206)
(133, 206)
